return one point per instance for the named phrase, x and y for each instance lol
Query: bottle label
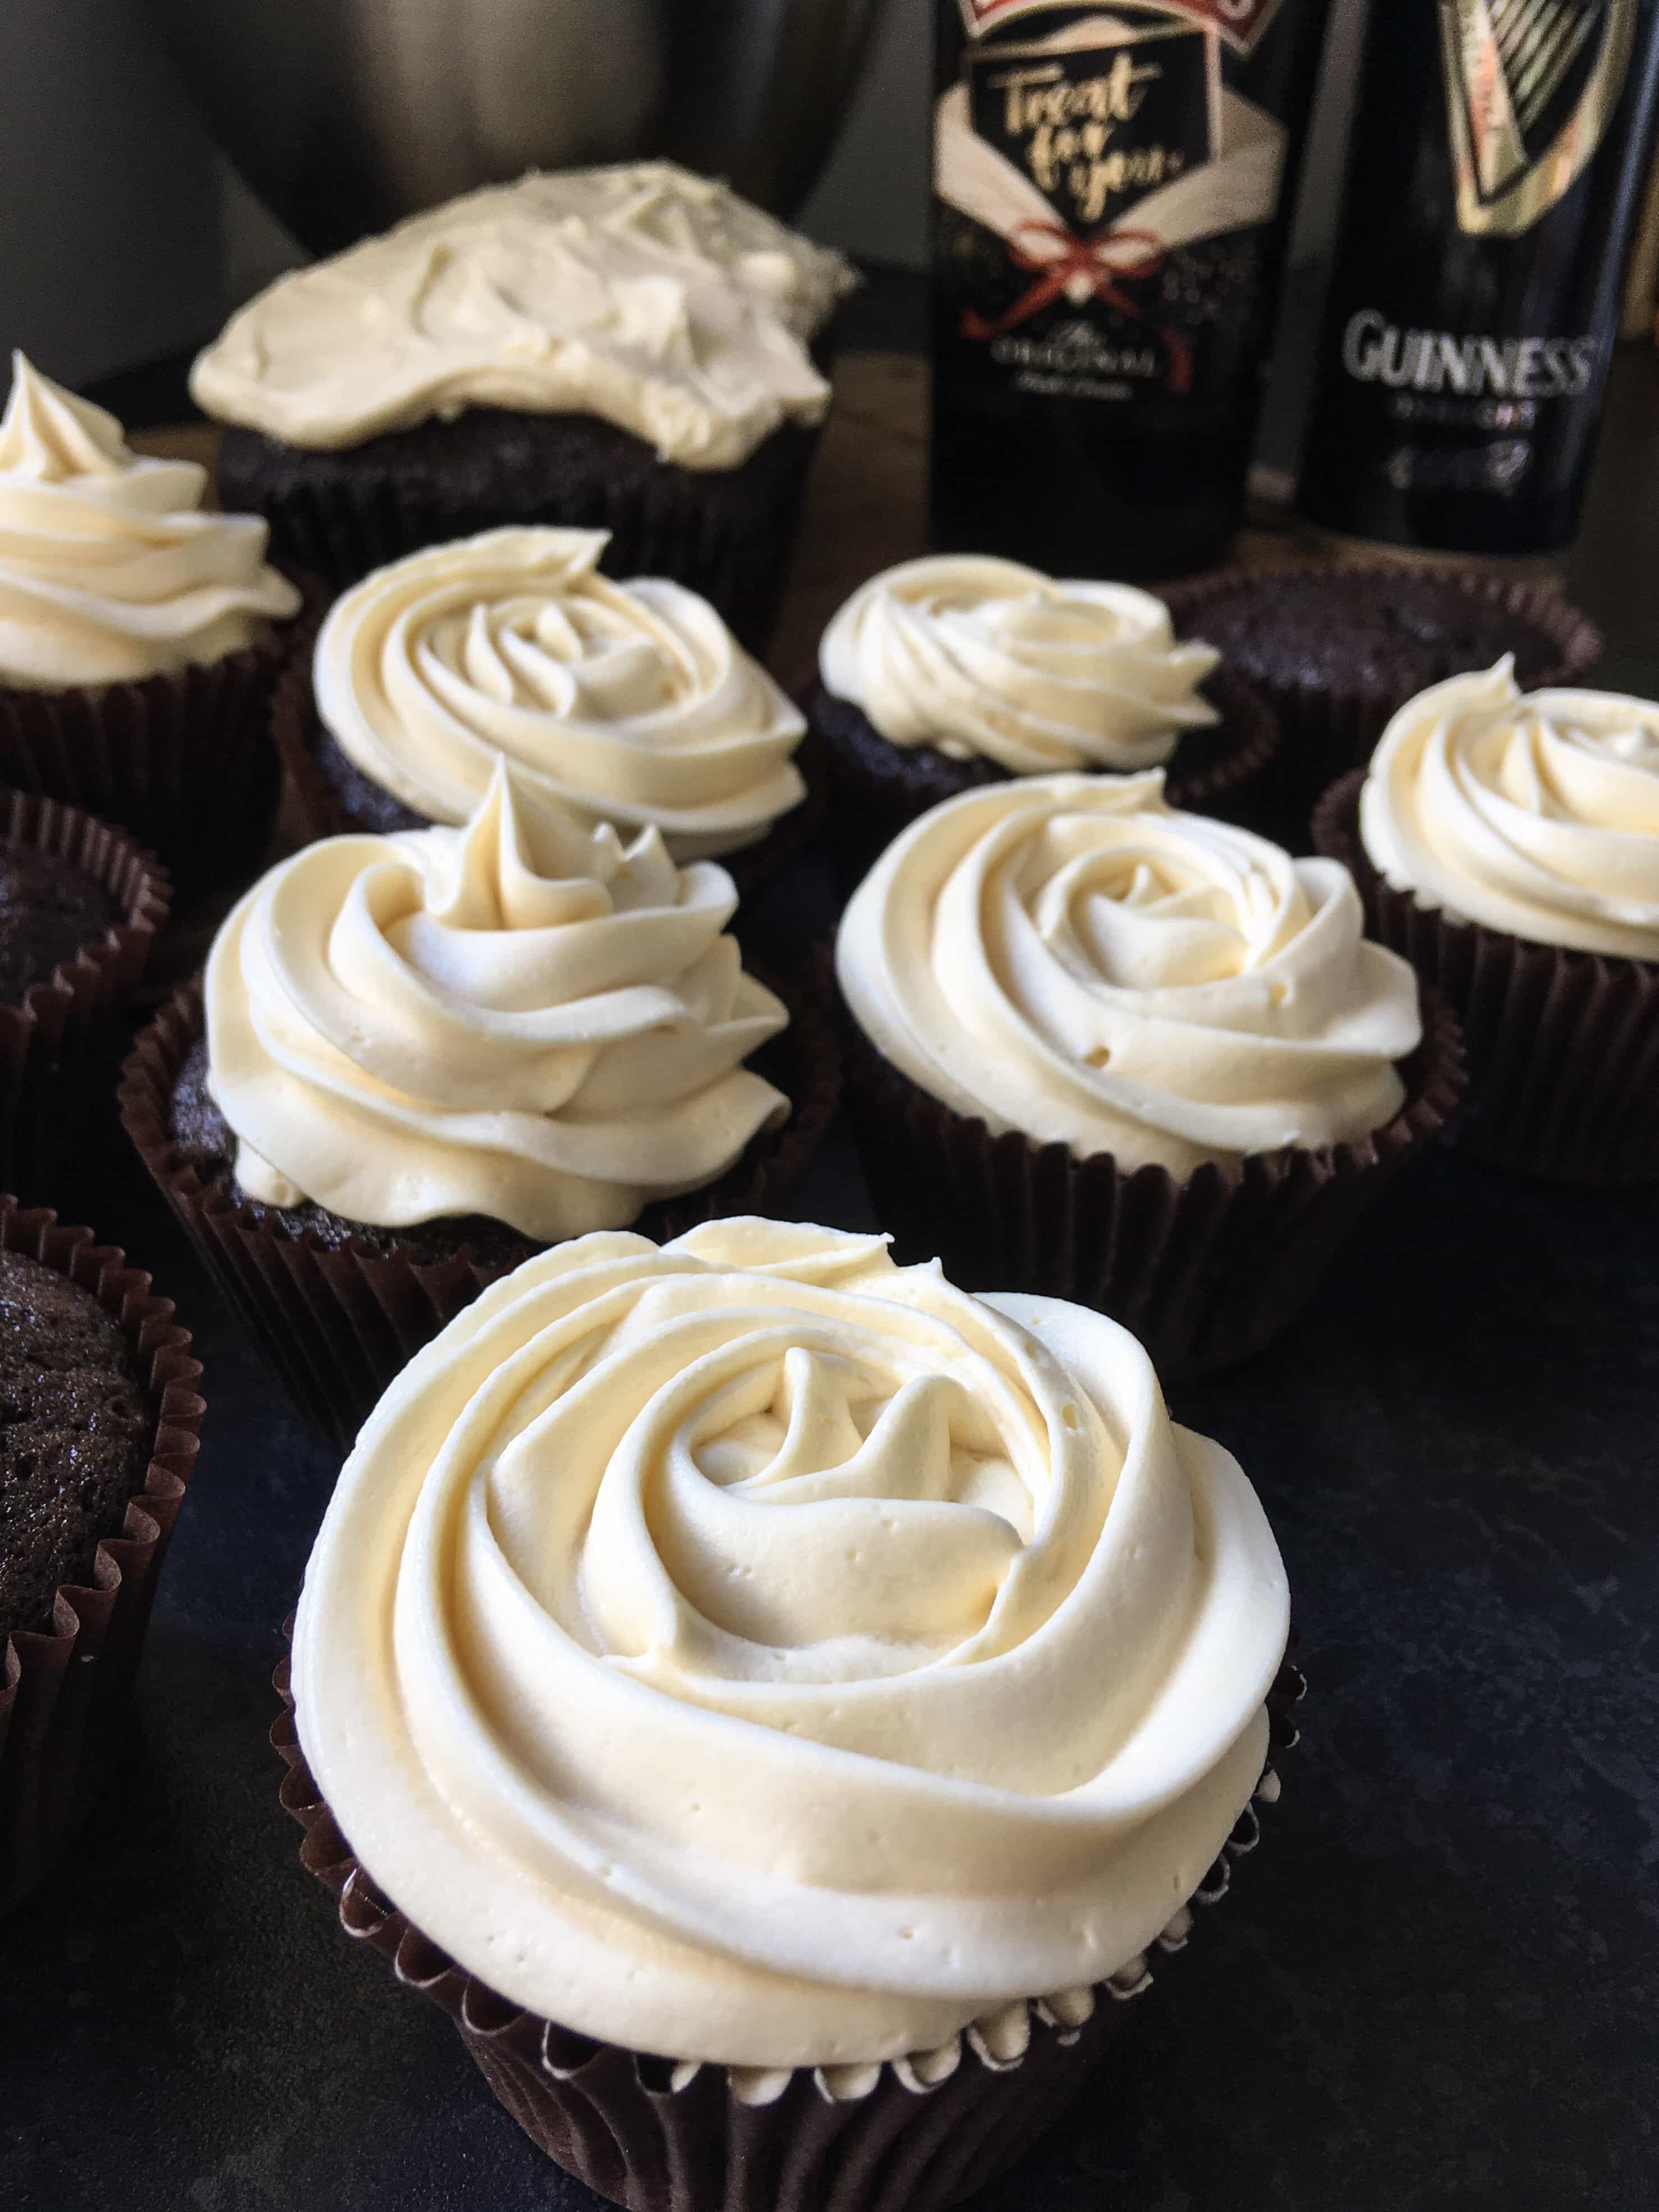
(1107, 191)
(1531, 86)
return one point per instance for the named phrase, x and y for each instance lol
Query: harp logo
(1531, 86)
(1241, 22)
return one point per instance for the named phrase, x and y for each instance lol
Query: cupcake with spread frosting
(777, 1702)
(1507, 843)
(140, 637)
(433, 1051)
(630, 703)
(1105, 1050)
(629, 348)
(956, 670)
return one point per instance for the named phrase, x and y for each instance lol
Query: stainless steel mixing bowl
(345, 114)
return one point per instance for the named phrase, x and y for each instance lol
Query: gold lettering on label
(1066, 127)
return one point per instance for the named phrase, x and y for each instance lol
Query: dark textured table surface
(1435, 1985)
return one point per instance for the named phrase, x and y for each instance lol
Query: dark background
(1432, 1987)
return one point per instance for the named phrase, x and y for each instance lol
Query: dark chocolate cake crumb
(76, 1431)
(49, 909)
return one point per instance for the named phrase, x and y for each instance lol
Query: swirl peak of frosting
(1072, 957)
(1535, 813)
(631, 703)
(653, 298)
(984, 657)
(748, 1650)
(110, 570)
(523, 1020)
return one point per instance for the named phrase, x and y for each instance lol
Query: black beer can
(1113, 186)
(1496, 167)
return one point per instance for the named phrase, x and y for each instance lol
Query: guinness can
(1496, 165)
(1112, 189)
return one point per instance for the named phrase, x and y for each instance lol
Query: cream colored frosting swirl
(1070, 956)
(655, 299)
(520, 1019)
(748, 1651)
(632, 703)
(109, 570)
(978, 656)
(1537, 813)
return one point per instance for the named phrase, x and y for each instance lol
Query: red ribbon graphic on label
(1108, 260)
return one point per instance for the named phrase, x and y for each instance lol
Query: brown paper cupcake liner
(65, 1689)
(1327, 731)
(337, 1324)
(1206, 1272)
(327, 809)
(182, 762)
(51, 1043)
(877, 788)
(637, 2130)
(726, 534)
(1563, 1047)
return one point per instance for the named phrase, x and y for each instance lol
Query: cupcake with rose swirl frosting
(444, 1048)
(788, 1697)
(140, 637)
(628, 704)
(1507, 843)
(956, 671)
(1103, 1048)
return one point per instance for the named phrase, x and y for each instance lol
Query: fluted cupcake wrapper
(1563, 1047)
(51, 1043)
(65, 1689)
(725, 533)
(182, 762)
(1205, 1270)
(877, 788)
(1329, 730)
(661, 2138)
(297, 732)
(337, 1324)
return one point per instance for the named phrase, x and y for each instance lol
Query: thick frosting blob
(521, 1019)
(109, 570)
(642, 293)
(1070, 956)
(1536, 813)
(750, 1651)
(632, 703)
(978, 656)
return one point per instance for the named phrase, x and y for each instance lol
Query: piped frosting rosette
(1535, 813)
(110, 570)
(1071, 957)
(986, 658)
(523, 1020)
(748, 1650)
(631, 703)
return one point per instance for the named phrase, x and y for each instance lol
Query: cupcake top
(644, 294)
(110, 571)
(748, 1650)
(982, 657)
(521, 1019)
(1071, 957)
(1535, 813)
(632, 703)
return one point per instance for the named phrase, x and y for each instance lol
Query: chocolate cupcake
(778, 1791)
(417, 1059)
(958, 670)
(102, 1429)
(1107, 1051)
(80, 908)
(628, 703)
(1508, 845)
(625, 349)
(140, 639)
(1335, 652)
